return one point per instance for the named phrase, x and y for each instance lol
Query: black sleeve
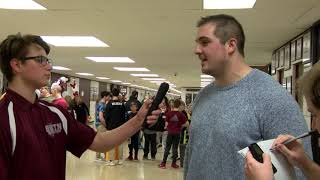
(87, 109)
(107, 112)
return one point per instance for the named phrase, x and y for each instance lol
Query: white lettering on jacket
(53, 129)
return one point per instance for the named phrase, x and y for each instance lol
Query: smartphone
(257, 152)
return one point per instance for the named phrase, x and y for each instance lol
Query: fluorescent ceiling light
(130, 69)
(206, 80)
(154, 79)
(116, 81)
(206, 76)
(74, 41)
(204, 84)
(102, 78)
(156, 82)
(85, 74)
(19, 4)
(126, 83)
(228, 4)
(111, 59)
(60, 68)
(173, 89)
(174, 94)
(145, 75)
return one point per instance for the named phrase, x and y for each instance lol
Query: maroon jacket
(34, 139)
(175, 121)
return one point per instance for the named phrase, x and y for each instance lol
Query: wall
(84, 91)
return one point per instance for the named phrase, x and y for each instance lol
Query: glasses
(40, 59)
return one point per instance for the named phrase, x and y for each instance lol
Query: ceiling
(158, 35)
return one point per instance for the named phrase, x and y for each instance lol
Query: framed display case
(293, 51)
(299, 49)
(281, 61)
(277, 53)
(289, 84)
(306, 48)
(287, 63)
(273, 64)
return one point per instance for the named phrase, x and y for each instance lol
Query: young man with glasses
(34, 134)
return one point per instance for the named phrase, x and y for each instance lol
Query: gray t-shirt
(228, 119)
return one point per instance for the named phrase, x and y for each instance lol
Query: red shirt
(61, 102)
(175, 121)
(37, 149)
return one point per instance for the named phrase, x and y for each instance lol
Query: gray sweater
(227, 119)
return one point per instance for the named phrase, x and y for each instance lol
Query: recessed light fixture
(60, 68)
(173, 89)
(116, 81)
(206, 80)
(126, 83)
(154, 79)
(74, 41)
(102, 78)
(130, 69)
(111, 59)
(174, 94)
(206, 76)
(85, 74)
(228, 4)
(145, 75)
(22, 5)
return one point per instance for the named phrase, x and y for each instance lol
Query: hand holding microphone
(151, 120)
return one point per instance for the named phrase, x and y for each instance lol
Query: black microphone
(162, 91)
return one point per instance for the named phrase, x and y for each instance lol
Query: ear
(15, 65)
(231, 45)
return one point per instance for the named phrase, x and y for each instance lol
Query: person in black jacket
(133, 98)
(134, 140)
(81, 110)
(115, 117)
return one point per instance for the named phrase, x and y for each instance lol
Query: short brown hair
(309, 83)
(226, 27)
(16, 46)
(176, 103)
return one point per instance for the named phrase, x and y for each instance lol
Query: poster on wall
(289, 84)
(281, 57)
(72, 87)
(293, 51)
(287, 63)
(299, 49)
(94, 93)
(273, 64)
(278, 58)
(306, 48)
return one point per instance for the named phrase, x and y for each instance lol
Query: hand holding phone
(257, 152)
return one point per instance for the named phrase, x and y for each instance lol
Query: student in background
(134, 140)
(56, 91)
(115, 116)
(81, 109)
(45, 94)
(184, 136)
(175, 121)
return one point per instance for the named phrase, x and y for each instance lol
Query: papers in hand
(285, 170)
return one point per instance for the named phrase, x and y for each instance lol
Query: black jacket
(114, 114)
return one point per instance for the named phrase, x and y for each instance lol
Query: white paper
(284, 170)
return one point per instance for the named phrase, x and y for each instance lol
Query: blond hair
(309, 84)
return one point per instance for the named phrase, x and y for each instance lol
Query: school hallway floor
(86, 168)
